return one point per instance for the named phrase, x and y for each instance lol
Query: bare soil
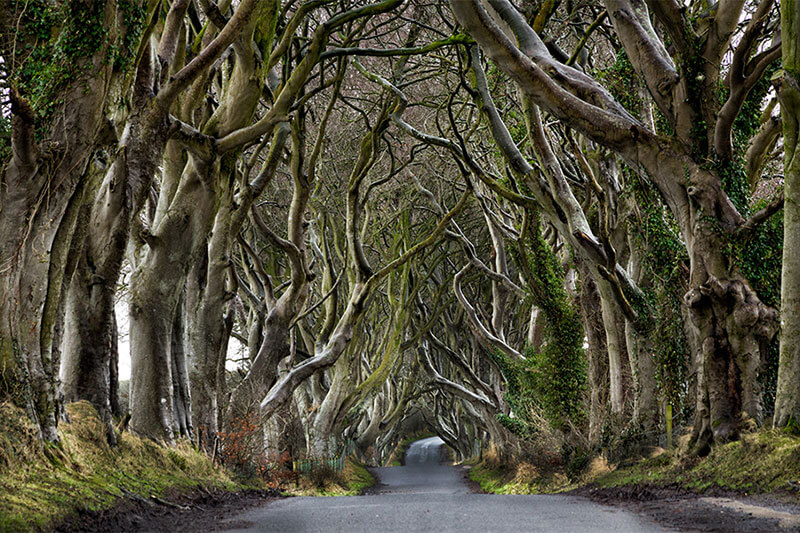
(683, 510)
(200, 510)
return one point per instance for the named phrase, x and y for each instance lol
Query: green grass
(522, 478)
(493, 480)
(357, 477)
(764, 462)
(40, 486)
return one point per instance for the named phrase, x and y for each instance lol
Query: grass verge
(763, 462)
(767, 461)
(41, 486)
(522, 478)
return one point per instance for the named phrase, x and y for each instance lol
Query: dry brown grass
(597, 467)
(19, 441)
(525, 473)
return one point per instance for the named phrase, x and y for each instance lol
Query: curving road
(425, 495)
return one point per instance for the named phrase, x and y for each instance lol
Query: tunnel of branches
(513, 225)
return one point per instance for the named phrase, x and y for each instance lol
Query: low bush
(242, 451)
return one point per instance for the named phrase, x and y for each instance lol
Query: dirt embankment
(202, 510)
(714, 510)
(752, 484)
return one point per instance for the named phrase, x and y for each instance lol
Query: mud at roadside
(473, 485)
(683, 510)
(201, 510)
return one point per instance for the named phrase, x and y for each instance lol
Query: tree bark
(182, 398)
(160, 79)
(208, 326)
(322, 439)
(733, 329)
(41, 192)
(596, 353)
(787, 400)
(640, 352)
(615, 348)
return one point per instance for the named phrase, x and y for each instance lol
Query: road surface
(425, 495)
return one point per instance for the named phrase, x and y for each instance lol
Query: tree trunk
(733, 329)
(182, 398)
(95, 282)
(645, 403)
(30, 292)
(89, 366)
(615, 347)
(598, 361)
(211, 306)
(264, 369)
(787, 400)
(41, 191)
(156, 287)
(208, 328)
(151, 398)
(535, 328)
(640, 352)
(113, 368)
(323, 433)
(89, 347)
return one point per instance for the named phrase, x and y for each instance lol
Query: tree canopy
(502, 221)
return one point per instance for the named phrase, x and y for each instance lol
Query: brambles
(242, 450)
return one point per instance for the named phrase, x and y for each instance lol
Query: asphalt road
(425, 495)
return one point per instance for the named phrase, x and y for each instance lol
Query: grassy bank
(522, 478)
(764, 462)
(40, 486)
(767, 461)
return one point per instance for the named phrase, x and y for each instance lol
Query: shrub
(323, 475)
(242, 451)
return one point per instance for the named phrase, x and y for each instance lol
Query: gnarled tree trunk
(41, 193)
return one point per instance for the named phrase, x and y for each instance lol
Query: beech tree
(500, 220)
(60, 61)
(731, 323)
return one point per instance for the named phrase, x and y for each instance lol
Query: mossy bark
(41, 192)
(787, 401)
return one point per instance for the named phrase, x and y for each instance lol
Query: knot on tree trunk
(736, 299)
(733, 328)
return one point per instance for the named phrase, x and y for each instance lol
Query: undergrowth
(763, 462)
(520, 478)
(351, 481)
